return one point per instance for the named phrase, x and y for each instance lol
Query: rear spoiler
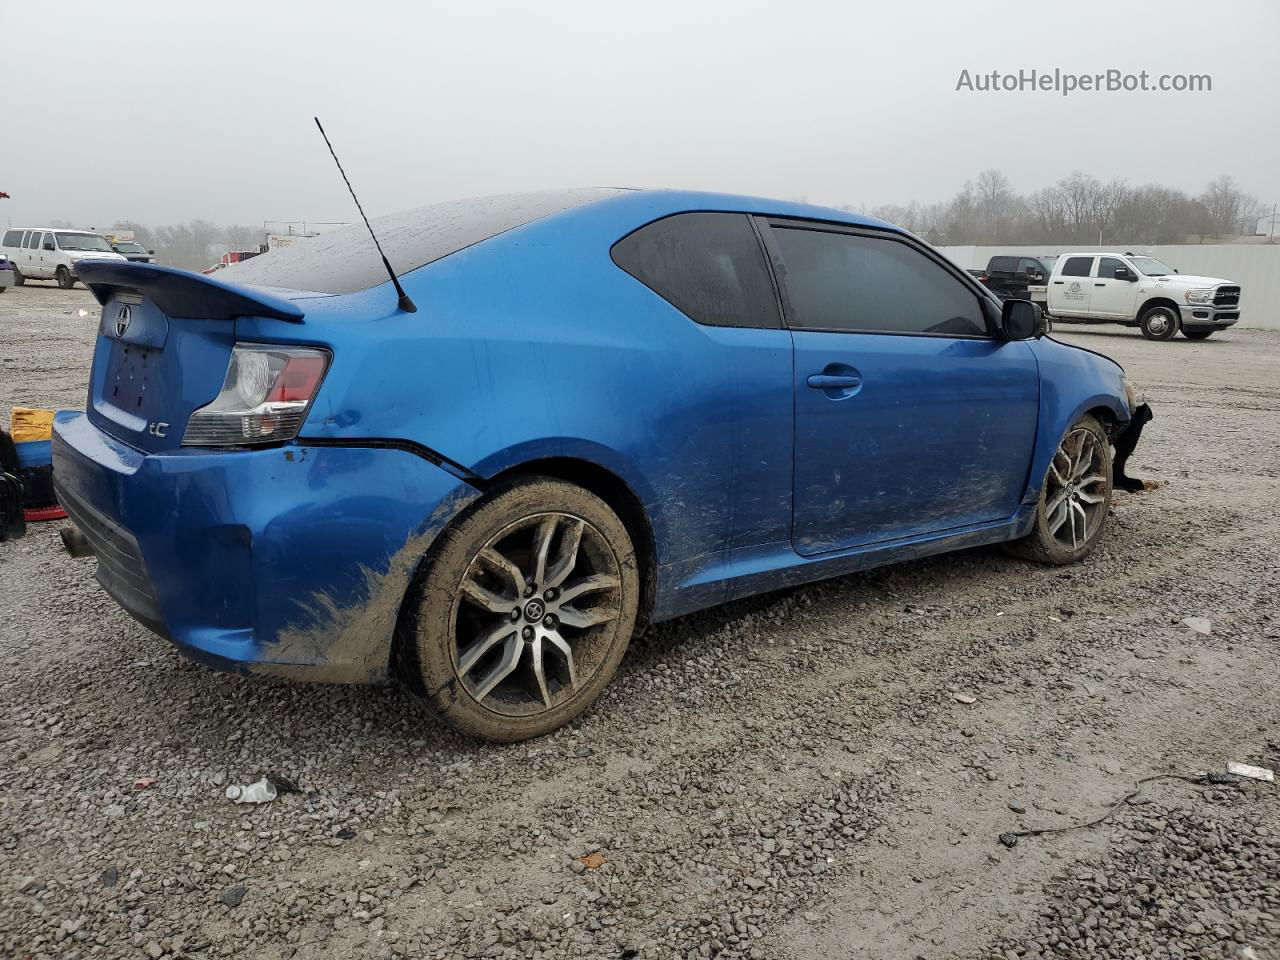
(181, 293)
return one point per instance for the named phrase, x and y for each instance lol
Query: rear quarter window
(12, 238)
(710, 266)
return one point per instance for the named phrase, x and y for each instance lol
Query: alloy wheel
(534, 613)
(1076, 489)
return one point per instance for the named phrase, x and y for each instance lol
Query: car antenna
(406, 304)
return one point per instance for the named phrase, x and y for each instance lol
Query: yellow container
(28, 423)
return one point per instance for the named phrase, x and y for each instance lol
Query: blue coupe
(611, 407)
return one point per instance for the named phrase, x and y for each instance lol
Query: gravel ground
(797, 776)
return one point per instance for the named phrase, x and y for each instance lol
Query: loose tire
(1074, 499)
(1198, 335)
(526, 609)
(1160, 323)
(65, 280)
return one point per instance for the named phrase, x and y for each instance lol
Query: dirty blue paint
(533, 344)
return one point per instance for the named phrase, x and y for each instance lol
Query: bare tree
(995, 202)
(1049, 207)
(1231, 210)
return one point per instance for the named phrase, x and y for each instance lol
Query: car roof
(677, 200)
(92, 233)
(1099, 253)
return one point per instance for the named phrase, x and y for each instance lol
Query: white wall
(1256, 267)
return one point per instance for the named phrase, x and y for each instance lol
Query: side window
(33, 239)
(1031, 266)
(1003, 264)
(12, 238)
(1077, 266)
(844, 281)
(708, 265)
(1107, 267)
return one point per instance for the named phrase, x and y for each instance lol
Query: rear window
(1077, 266)
(12, 238)
(345, 260)
(1009, 264)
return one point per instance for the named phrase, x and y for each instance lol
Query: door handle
(837, 381)
(1058, 283)
(825, 381)
(1099, 284)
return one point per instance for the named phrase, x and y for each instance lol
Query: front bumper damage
(1125, 441)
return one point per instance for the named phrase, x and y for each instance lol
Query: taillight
(264, 398)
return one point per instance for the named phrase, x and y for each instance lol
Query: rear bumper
(1198, 317)
(291, 561)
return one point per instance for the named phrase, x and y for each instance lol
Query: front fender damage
(1125, 441)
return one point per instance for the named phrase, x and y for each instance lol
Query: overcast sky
(144, 111)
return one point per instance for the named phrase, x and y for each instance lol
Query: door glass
(1107, 267)
(708, 265)
(33, 241)
(1077, 266)
(851, 282)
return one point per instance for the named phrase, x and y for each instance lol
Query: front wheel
(525, 612)
(65, 280)
(1198, 334)
(1159, 323)
(1072, 513)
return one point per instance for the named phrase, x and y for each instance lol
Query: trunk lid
(164, 340)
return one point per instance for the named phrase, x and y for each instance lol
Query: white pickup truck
(1140, 291)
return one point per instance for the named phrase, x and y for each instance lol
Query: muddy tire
(525, 611)
(65, 280)
(1160, 323)
(1075, 498)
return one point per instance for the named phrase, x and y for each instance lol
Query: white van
(48, 253)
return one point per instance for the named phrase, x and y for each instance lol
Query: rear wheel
(65, 280)
(18, 278)
(1198, 334)
(1159, 323)
(1072, 513)
(525, 612)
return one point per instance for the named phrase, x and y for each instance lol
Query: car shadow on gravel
(206, 709)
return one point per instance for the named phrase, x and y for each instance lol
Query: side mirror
(1124, 273)
(152, 252)
(1021, 320)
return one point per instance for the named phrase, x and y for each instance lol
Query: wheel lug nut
(552, 593)
(550, 621)
(527, 633)
(515, 614)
